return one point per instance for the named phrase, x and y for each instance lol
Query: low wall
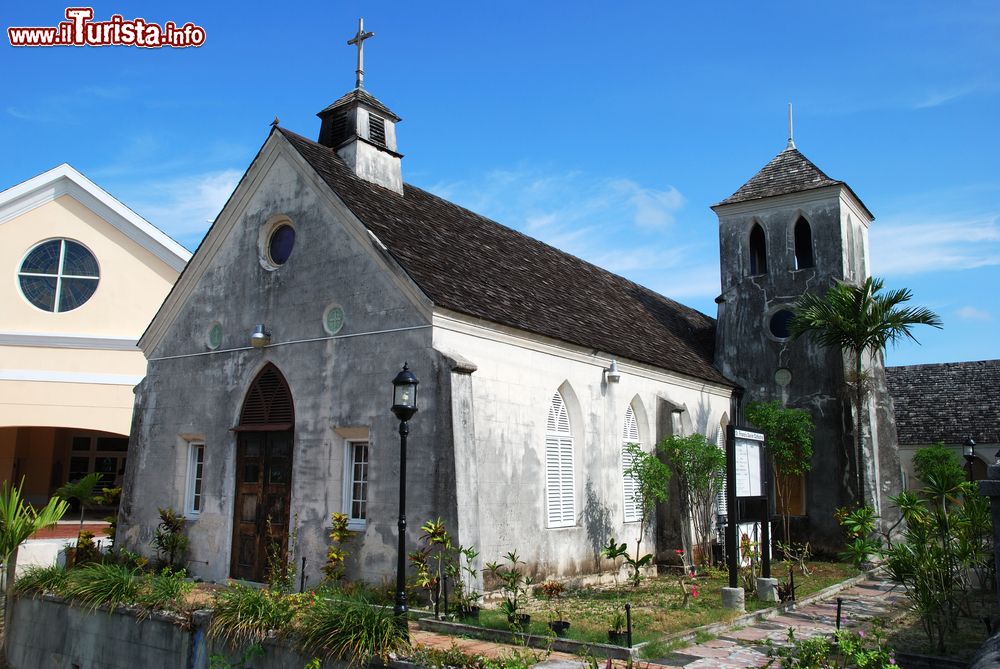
(48, 632)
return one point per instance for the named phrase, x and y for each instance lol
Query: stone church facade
(535, 367)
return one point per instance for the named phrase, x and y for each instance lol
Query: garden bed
(658, 609)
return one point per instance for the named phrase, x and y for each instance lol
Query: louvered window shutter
(559, 477)
(632, 503)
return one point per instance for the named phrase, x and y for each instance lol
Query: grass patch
(244, 614)
(704, 637)
(657, 649)
(657, 605)
(39, 580)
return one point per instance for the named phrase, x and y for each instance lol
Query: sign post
(746, 499)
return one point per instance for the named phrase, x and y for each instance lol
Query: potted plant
(514, 586)
(468, 597)
(617, 634)
(553, 591)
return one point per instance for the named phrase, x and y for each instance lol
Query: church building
(268, 389)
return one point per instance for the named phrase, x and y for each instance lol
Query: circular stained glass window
(781, 323)
(333, 320)
(279, 246)
(58, 275)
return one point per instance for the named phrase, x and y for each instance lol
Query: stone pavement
(737, 648)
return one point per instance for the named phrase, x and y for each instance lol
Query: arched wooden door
(263, 474)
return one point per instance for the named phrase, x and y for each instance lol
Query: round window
(215, 336)
(279, 246)
(781, 323)
(333, 320)
(58, 275)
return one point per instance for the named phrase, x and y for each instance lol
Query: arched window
(758, 251)
(560, 490)
(803, 244)
(630, 487)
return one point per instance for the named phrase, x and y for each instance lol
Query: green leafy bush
(169, 540)
(858, 650)
(352, 630)
(165, 591)
(38, 580)
(109, 584)
(244, 615)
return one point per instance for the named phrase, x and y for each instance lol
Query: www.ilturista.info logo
(80, 30)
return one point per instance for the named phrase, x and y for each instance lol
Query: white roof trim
(51, 376)
(64, 180)
(69, 340)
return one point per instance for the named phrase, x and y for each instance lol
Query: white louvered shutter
(560, 489)
(630, 435)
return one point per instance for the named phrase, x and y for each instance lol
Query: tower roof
(362, 96)
(787, 172)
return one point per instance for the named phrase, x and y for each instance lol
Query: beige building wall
(73, 373)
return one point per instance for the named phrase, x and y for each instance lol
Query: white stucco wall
(515, 378)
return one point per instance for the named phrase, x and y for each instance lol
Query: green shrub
(96, 584)
(244, 614)
(165, 591)
(352, 630)
(937, 459)
(37, 580)
(169, 540)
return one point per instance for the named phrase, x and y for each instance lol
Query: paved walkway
(738, 648)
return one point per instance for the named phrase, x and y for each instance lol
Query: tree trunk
(8, 604)
(858, 401)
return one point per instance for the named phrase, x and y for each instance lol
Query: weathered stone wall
(341, 388)
(48, 632)
(509, 395)
(748, 352)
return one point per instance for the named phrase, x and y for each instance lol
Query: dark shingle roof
(946, 402)
(788, 172)
(360, 95)
(470, 264)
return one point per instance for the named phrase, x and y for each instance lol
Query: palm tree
(859, 320)
(84, 492)
(18, 521)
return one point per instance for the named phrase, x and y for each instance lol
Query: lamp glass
(405, 395)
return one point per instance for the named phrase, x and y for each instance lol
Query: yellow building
(82, 277)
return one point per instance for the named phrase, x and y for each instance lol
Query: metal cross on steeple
(359, 41)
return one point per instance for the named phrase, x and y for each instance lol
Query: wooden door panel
(263, 487)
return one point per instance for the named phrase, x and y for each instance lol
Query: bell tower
(362, 130)
(789, 230)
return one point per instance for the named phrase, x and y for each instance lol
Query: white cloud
(184, 207)
(906, 248)
(971, 313)
(616, 223)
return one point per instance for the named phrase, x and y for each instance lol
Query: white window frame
(560, 475)
(632, 510)
(348, 506)
(192, 478)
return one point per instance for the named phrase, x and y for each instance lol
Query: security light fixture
(614, 376)
(261, 336)
(969, 453)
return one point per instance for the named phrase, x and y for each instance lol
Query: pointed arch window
(268, 404)
(803, 244)
(758, 250)
(560, 489)
(630, 487)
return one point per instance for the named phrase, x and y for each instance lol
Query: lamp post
(969, 453)
(404, 405)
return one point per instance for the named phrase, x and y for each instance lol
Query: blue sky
(606, 129)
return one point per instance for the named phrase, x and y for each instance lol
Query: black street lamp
(404, 405)
(969, 453)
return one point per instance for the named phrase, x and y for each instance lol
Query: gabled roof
(469, 264)
(788, 172)
(64, 180)
(363, 96)
(946, 402)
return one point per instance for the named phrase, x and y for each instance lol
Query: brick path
(735, 649)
